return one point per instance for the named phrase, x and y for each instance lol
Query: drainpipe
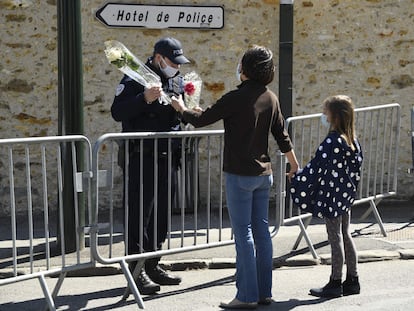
(70, 111)
(285, 56)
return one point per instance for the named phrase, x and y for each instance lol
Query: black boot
(159, 275)
(331, 290)
(143, 282)
(351, 286)
(145, 285)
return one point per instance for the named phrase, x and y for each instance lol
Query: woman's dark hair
(257, 64)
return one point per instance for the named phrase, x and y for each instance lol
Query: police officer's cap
(171, 48)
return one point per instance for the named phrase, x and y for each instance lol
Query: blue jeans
(248, 206)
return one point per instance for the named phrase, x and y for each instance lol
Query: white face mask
(168, 71)
(238, 72)
(324, 121)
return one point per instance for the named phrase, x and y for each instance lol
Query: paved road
(386, 285)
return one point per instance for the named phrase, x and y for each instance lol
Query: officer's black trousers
(155, 207)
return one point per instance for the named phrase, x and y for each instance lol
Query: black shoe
(265, 301)
(331, 290)
(145, 285)
(161, 277)
(351, 286)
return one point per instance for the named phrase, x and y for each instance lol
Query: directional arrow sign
(161, 16)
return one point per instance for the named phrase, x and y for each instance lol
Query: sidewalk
(398, 219)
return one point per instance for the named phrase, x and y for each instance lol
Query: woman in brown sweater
(250, 113)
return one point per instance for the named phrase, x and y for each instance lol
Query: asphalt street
(386, 272)
(385, 285)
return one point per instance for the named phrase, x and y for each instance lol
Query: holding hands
(178, 105)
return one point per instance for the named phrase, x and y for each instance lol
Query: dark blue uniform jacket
(130, 108)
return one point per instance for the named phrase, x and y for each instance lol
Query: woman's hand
(178, 103)
(292, 171)
(294, 164)
(198, 109)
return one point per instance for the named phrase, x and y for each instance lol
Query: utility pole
(70, 110)
(286, 56)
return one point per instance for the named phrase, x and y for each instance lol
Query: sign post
(70, 112)
(286, 56)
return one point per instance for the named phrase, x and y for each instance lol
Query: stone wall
(361, 48)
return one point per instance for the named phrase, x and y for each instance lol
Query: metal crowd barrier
(378, 130)
(193, 224)
(197, 218)
(36, 249)
(32, 180)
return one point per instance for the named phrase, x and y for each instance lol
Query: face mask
(238, 72)
(168, 71)
(324, 121)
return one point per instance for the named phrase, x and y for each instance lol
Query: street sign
(161, 16)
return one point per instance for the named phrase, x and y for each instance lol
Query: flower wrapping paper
(119, 55)
(192, 89)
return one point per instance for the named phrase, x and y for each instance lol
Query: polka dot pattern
(327, 186)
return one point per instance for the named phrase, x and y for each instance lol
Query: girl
(327, 187)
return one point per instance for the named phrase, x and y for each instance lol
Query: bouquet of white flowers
(118, 55)
(192, 89)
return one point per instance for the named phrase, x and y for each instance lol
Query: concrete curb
(230, 263)
(298, 260)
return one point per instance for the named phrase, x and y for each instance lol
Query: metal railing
(195, 223)
(35, 247)
(378, 130)
(196, 217)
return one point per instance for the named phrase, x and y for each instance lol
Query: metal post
(285, 56)
(412, 139)
(70, 107)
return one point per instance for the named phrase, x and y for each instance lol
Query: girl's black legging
(342, 246)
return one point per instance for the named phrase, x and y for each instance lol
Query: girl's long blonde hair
(342, 120)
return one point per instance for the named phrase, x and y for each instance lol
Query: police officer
(141, 109)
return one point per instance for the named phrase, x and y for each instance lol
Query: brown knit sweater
(249, 113)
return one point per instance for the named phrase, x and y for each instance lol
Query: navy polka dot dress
(327, 185)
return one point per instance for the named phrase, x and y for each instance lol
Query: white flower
(118, 55)
(113, 54)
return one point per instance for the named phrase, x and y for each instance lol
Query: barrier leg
(58, 284)
(374, 209)
(132, 287)
(307, 239)
(366, 214)
(57, 287)
(370, 210)
(48, 297)
(300, 236)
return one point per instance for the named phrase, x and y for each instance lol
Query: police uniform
(130, 108)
